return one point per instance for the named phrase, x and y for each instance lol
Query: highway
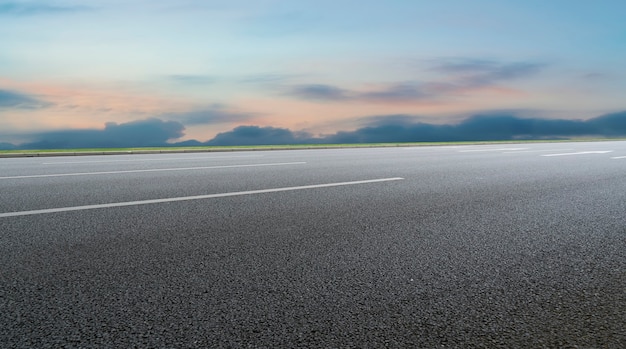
(494, 246)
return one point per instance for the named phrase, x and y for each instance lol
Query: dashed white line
(619, 157)
(580, 153)
(188, 198)
(151, 170)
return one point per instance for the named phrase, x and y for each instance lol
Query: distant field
(139, 150)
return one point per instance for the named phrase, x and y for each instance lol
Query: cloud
(406, 91)
(377, 129)
(484, 128)
(255, 135)
(459, 76)
(476, 72)
(404, 128)
(7, 146)
(17, 100)
(492, 68)
(35, 8)
(611, 125)
(142, 133)
(595, 76)
(397, 92)
(379, 120)
(320, 92)
(213, 115)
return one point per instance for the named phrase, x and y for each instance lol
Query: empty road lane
(509, 246)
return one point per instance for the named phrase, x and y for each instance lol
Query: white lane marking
(152, 170)
(188, 198)
(619, 157)
(580, 153)
(141, 160)
(482, 150)
(533, 151)
(435, 147)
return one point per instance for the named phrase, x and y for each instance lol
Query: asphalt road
(511, 246)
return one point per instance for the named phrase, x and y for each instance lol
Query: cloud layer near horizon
(142, 133)
(381, 129)
(400, 129)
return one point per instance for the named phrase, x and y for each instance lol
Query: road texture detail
(446, 247)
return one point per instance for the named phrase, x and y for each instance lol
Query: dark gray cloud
(213, 115)
(12, 99)
(611, 125)
(7, 146)
(485, 128)
(378, 129)
(403, 128)
(141, 133)
(255, 135)
(35, 8)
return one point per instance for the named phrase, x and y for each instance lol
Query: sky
(153, 72)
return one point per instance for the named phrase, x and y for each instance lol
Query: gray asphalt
(477, 247)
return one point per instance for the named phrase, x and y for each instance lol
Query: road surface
(516, 245)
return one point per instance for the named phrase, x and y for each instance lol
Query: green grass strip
(138, 150)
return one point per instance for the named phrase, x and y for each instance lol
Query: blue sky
(318, 67)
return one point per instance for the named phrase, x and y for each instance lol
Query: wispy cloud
(321, 92)
(400, 92)
(458, 76)
(479, 72)
(406, 91)
(35, 8)
(17, 100)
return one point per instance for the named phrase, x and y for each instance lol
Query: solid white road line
(580, 153)
(152, 170)
(484, 150)
(435, 147)
(188, 198)
(532, 151)
(141, 160)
